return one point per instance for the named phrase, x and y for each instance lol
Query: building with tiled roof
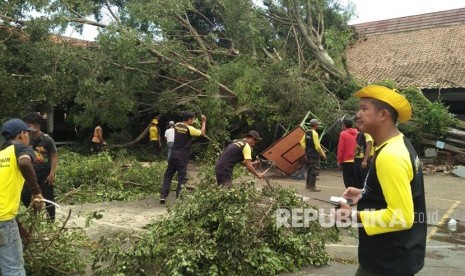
(426, 51)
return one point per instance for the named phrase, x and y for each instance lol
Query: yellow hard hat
(389, 96)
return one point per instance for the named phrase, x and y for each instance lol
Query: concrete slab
(459, 171)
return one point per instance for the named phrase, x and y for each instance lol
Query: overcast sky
(374, 10)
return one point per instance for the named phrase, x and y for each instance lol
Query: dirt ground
(444, 197)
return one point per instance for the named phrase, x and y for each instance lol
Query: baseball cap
(389, 96)
(314, 122)
(254, 134)
(13, 127)
(171, 123)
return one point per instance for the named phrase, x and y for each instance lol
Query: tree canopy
(241, 64)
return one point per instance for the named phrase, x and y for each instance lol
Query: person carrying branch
(239, 151)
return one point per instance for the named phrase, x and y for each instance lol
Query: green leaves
(218, 231)
(103, 177)
(158, 56)
(428, 118)
(54, 249)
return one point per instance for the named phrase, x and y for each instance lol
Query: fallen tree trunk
(459, 143)
(446, 146)
(456, 133)
(135, 141)
(454, 140)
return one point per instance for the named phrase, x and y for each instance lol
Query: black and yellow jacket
(393, 212)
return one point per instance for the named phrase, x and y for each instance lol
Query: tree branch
(135, 141)
(11, 19)
(185, 84)
(85, 21)
(297, 42)
(107, 4)
(156, 53)
(269, 55)
(314, 42)
(281, 20)
(185, 21)
(309, 14)
(72, 10)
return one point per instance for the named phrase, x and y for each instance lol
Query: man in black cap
(183, 134)
(239, 151)
(313, 150)
(391, 209)
(15, 168)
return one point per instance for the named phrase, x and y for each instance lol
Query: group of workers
(29, 157)
(238, 151)
(390, 206)
(354, 152)
(155, 138)
(388, 190)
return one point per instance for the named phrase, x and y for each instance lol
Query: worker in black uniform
(239, 151)
(183, 134)
(313, 151)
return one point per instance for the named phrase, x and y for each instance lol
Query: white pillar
(50, 120)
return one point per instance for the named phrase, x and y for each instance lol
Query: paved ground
(445, 200)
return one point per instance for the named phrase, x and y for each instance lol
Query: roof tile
(427, 57)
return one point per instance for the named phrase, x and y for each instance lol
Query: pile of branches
(218, 231)
(52, 248)
(107, 176)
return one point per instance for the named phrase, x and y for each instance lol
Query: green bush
(431, 118)
(103, 177)
(218, 231)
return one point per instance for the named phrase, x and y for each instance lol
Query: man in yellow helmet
(154, 135)
(391, 209)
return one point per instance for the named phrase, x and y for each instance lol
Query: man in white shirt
(169, 135)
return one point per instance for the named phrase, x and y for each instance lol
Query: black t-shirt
(232, 155)
(44, 147)
(183, 135)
